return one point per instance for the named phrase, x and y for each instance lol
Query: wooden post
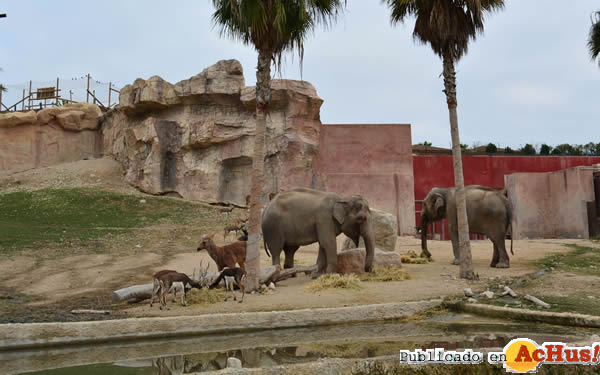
(29, 106)
(57, 92)
(109, 90)
(0, 100)
(22, 102)
(94, 95)
(71, 95)
(87, 93)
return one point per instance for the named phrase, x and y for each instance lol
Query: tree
(545, 149)
(425, 143)
(272, 27)
(564, 149)
(448, 26)
(464, 147)
(556, 151)
(491, 148)
(528, 149)
(508, 150)
(594, 38)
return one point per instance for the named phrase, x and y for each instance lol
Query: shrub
(556, 151)
(508, 150)
(491, 148)
(528, 149)
(545, 149)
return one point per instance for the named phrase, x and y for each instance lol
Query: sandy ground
(86, 281)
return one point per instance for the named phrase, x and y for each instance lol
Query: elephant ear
(439, 203)
(339, 211)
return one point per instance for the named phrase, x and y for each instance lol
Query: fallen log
(87, 311)
(136, 292)
(537, 301)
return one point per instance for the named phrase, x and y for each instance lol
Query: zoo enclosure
(39, 95)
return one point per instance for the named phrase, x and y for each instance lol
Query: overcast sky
(529, 79)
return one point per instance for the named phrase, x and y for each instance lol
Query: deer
(166, 281)
(236, 275)
(239, 224)
(226, 255)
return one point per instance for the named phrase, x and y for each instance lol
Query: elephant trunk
(368, 236)
(424, 227)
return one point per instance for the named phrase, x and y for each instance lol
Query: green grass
(578, 303)
(582, 260)
(33, 220)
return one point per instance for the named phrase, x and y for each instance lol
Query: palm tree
(448, 26)
(594, 41)
(272, 27)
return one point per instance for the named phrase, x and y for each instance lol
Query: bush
(491, 148)
(425, 143)
(508, 150)
(545, 149)
(464, 147)
(528, 150)
(556, 151)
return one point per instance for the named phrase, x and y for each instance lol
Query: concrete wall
(551, 205)
(374, 161)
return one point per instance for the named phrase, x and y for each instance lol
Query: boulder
(385, 227)
(13, 119)
(353, 260)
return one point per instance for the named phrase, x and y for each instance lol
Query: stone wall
(195, 137)
(551, 205)
(50, 136)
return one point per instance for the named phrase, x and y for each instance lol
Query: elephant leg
(503, 261)
(455, 247)
(321, 263)
(494, 257)
(289, 256)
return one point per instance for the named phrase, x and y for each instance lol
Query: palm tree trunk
(263, 100)
(466, 263)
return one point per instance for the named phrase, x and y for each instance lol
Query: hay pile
(412, 257)
(205, 296)
(385, 274)
(334, 281)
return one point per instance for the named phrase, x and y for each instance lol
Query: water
(278, 347)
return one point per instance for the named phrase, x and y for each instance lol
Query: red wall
(437, 171)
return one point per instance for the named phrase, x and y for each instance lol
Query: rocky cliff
(195, 137)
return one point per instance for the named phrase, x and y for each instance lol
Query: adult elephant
(301, 217)
(488, 213)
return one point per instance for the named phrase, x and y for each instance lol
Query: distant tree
(464, 147)
(556, 151)
(508, 150)
(577, 150)
(425, 143)
(564, 149)
(491, 148)
(545, 149)
(594, 38)
(527, 149)
(591, 149)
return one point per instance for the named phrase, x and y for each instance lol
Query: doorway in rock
(234, 179)
(169, 172)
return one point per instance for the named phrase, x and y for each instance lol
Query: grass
(385, 274)
(70, 218)
(334, 281)
(577, 303)
(412, 257)
(582, 260)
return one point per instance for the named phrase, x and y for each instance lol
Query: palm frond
(446, 25)
(275, 26)
(594, 38)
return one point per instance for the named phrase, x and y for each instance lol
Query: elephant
(488, 212)
(301, 217)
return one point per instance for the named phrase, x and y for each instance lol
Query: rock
(195, 138)
(487, 294)
(353, 261)
(272, 286)
(385, 227)
(233, 362)
(468, 292)
(142, 201)
(471, 300)
(13, 119)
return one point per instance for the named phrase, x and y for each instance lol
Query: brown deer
(226, 255)
(166, 281)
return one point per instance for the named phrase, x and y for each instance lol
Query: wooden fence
(44, 97)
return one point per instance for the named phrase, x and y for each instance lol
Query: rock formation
(194, 138)
(50, 136)
(353, 261)
(385, 227)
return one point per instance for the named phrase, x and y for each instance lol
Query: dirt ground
(47, 288)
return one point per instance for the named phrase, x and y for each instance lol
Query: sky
(528, 79)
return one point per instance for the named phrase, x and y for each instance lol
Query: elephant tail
(267, 249)
(509, 224)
